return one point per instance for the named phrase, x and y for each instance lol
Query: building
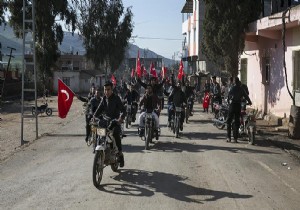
(193, 13)
(262, 63)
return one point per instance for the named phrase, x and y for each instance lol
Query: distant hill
(71, 43)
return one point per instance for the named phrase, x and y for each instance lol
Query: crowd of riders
(111, 101)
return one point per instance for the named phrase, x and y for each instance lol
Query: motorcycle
(106, 151)
(41, 109)
(247, 125)
(177, 121)
(150, 131)
(247, 122)
(221, 115)
(131, 112)
(188, 108)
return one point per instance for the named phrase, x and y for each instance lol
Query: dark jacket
(236, 94)
(131, 96)
(150, 102)
(111, 107)
(94, 103)
(157, 88)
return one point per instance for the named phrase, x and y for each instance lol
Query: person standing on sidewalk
(235, 96)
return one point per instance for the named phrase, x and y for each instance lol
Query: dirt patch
(10, 123)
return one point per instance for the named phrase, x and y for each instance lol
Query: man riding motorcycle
(131, 98)
(150, 102)
(112, 106)
(176, 99)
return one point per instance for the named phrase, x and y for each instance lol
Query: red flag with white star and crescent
(65, 99)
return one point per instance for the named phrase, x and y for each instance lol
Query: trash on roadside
(289, 168)
(284, 164)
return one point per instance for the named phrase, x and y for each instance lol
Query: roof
(188, 7)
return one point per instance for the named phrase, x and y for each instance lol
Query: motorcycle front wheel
(49, 111)
(177, 127)
(251, 137)
(98, 167)
(187, 114)
(127, 122)
(148, 137)
(220, 117)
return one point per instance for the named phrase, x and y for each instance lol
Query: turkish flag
(145, 73)
(153, 71)
(113, 80)
(180, 72)
(138, 66)
(164, 72)
(65, 99)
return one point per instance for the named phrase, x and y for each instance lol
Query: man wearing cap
(112, 106)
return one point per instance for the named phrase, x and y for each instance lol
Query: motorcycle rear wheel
(127, 122)
(49, 111)
(98, 167)
(187, 114)
(115, 166)
(148, 137)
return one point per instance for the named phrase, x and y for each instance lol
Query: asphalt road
(197, 171)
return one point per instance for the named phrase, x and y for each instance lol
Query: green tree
(224, 28)
(106, 30)
(3, 8)
(49, 32)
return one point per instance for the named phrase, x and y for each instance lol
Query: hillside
(70, 43)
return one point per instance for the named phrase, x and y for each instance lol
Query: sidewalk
(278, 136)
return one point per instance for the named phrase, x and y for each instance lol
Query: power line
(160, 38)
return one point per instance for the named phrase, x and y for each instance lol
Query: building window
(266, 70)
(66, 80)
(244, 66)
(296, 82)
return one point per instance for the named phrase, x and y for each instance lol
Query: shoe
(121, 159)
(169, 124)
(86, 139)
(141, 132)
(228, 140)
(191, 114)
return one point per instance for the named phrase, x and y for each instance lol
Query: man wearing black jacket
(112, 106)
(235, 96)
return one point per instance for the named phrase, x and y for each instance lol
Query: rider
(178, 99)
(156, 87)
(86, 108)
(132, 97)
(235, 96)
(112, 106)
(150, 102)
(189, 92)
(215, 92)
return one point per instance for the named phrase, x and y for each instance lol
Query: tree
(224, 30)
(3, 7)
(106, 30)
(49, 30)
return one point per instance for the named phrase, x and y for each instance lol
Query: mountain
(71, 43)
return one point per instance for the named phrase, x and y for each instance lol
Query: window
(296, 82)
(266, 67)
(66, 80)
(244, 63)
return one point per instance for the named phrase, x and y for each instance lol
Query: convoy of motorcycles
(104, 145)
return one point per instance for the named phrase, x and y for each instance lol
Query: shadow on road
(170, 185)
(188, 147)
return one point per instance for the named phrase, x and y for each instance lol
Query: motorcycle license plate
(101, 131)
(178, 109)
(149, 116)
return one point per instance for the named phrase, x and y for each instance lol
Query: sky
(157, 19)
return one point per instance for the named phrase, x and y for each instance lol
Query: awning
(188, 7)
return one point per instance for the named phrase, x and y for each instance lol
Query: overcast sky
(157, 19)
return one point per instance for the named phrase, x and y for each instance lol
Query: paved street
(197, 171)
